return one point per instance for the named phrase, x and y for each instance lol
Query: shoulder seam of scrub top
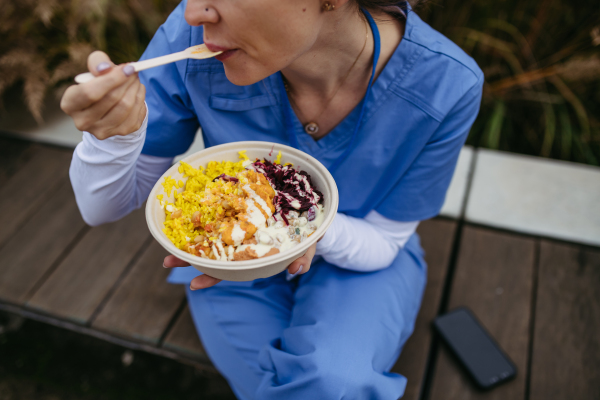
(412, 34)
(444, 54)
(417, 103)
(425, 107)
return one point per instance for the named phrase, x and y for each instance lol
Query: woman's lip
(225, 55)
(215, 48)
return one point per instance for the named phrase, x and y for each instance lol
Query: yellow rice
(181, 230)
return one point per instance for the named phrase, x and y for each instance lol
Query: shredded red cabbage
(295, 191)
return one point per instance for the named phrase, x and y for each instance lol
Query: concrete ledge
(455, 198)
(58, 128)
(537, 196)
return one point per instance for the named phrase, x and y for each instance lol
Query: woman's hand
(111, 104)
(302, 265)
(299, 266)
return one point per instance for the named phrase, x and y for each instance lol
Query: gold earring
(327, 6)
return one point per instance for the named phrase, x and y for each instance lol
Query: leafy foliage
(541, 61)
(45, 43)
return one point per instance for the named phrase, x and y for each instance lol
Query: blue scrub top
(416, 118)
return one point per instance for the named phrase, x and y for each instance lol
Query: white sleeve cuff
(120, 144)
(365, 244)
(103, 175)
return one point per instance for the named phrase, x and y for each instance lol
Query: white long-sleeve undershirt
(111, 178)
(364, 244)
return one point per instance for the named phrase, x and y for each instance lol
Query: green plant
(541, 61)
(45, 43)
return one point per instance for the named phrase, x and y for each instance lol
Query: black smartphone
(475, 348)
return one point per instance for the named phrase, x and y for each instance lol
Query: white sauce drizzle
(263, 204)
(222, 254)
(237, 234)
(289, 198)
(255, 216)
(316, 197)
(260, 249)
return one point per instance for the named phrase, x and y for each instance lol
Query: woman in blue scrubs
(379, 97)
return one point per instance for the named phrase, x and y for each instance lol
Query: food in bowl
(236, 211)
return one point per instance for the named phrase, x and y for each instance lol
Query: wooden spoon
(196, 52)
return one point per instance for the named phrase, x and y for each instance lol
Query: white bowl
(261, 267)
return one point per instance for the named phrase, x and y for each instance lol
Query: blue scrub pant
(328, 334)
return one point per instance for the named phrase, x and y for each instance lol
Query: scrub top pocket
(230, 113)
(240, 104)
(226, 96)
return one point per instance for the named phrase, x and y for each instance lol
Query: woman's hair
(393, 7)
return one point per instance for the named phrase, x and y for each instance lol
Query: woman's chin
(242, 76)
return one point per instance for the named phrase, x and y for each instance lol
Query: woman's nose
(199, 12)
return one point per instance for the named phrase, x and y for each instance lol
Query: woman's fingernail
(102, 66)
(193, 288)
(289, 277)
(128, 70)
(164, 266)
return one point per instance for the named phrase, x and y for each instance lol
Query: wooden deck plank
(31, 252)
(184, 339)
(494, 278)
(144, 303)
(83, 279)
(30, 186)
(566, 346)
(437, 237)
